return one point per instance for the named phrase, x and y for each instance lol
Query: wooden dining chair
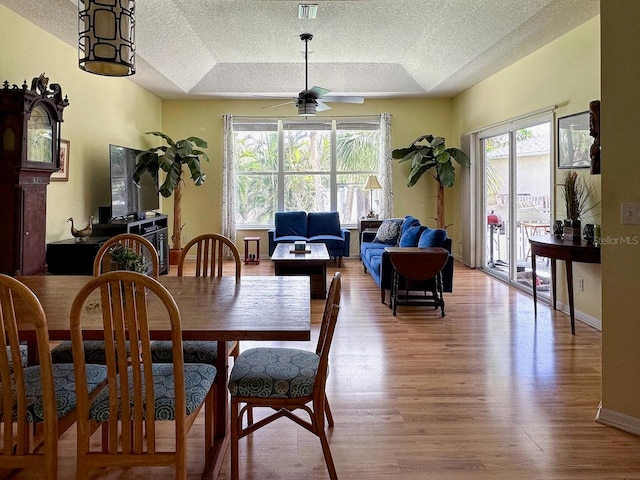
(94, 349)
(37, 402)
(130, 408)
(210, 253)
(285, 380)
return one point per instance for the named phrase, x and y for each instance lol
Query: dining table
(267, 308)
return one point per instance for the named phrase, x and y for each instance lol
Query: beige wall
(565, 73)
(101, 111)
(620, 117)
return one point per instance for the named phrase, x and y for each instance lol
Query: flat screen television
(127, 198)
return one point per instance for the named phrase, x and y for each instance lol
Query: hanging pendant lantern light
(106, 37)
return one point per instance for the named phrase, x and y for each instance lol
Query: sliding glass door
(517, 174)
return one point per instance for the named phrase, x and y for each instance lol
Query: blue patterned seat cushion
(274, 373)
(93, 352)
(23, 354)
(198, 380)
(65, 387)
(193, 351)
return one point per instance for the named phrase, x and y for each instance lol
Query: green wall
(410, 119)
(101, 111)
(565, 73)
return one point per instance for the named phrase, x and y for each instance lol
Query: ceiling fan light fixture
(306, 107)
(307, 11)
(106, 37)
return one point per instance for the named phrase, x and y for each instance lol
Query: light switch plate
(630, 213)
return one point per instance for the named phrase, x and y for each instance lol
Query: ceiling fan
(314, 100)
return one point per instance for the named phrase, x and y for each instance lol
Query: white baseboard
(618, 420)
(581, 316)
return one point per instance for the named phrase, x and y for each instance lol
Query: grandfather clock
(29, 153)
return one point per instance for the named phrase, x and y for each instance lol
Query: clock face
(39, 137)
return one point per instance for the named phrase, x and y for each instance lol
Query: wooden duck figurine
(81, 235)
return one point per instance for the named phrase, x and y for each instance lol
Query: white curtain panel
(228, 180)
(386, 167)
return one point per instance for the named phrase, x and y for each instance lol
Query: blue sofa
(314, 227)
(409, 234)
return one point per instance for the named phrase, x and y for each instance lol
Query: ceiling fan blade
(322, 106)
(344, 99)
(319, 91)
(279, 104)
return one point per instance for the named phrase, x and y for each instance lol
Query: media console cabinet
(69, 257)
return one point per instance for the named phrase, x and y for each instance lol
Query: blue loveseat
(314, 227)
(407, 232)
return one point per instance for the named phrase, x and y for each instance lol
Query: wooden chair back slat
(210, 255)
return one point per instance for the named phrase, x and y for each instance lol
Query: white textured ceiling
(373, 48)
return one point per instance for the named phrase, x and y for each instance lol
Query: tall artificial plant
(577, 194)
(428, 154)
(170, 159)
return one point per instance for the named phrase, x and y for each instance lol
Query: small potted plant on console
(577, 193)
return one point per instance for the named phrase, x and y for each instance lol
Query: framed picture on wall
(574, 141)
(62, 175)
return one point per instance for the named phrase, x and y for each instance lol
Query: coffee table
(312, 264)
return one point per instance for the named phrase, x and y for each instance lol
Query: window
(311, 165)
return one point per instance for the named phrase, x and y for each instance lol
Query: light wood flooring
(484, 393)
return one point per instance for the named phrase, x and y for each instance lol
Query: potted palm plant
(171, 159)
(428, 154)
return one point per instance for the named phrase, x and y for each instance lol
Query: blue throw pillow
(432, 237)
(389, 231)
(323, 223)
(409, 222)
(411, 236)
(291, 224)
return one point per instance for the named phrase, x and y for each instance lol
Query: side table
(249, 258)
(367, 229)
(417, 264)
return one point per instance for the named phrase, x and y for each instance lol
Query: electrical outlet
(630, 213)
(581, 284)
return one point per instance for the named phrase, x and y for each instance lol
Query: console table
(557, 249)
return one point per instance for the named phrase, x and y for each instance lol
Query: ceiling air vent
(307, 11)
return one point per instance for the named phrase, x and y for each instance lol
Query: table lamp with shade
(372, 184)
